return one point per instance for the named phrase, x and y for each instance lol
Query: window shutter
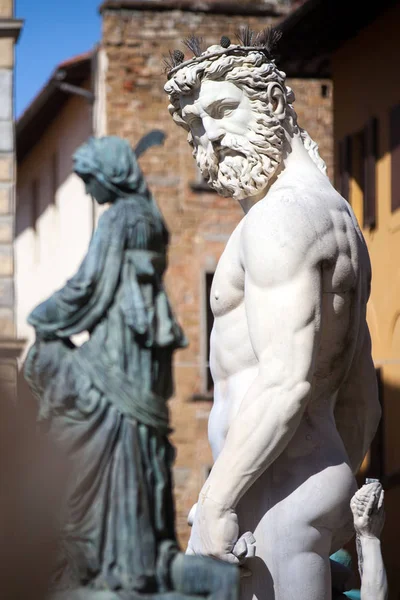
(370, 157)
(345, 165)
(395, 153)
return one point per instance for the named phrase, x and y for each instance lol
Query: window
(209, 326)
(395, 154)
(370, 155)
(345, 167)
(324, 91)
(356, 192)
(358, 155)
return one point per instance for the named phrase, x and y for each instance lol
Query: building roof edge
(232, 7)
(48, 102)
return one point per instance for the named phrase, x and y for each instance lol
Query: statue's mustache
(228, 149)
(229, 146)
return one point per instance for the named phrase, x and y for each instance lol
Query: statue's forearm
(264, 425)
(373, 580)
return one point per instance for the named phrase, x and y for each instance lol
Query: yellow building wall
(367, 84)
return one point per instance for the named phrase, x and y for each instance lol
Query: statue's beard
(242, 166)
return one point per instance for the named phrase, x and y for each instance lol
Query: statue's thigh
(292, 562)
(293, 534)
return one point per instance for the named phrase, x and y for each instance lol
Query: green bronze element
(343, 577)
(106, 400)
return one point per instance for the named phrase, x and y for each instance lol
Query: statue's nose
(213, 130)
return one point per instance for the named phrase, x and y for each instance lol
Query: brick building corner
(136, 36)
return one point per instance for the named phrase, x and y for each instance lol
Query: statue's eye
(194, 122)
(225, 110)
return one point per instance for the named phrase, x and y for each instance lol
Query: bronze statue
(106, 401)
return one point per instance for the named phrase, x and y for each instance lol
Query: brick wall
(135, 42)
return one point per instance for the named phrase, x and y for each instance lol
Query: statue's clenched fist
(215, 533)
(368, 510)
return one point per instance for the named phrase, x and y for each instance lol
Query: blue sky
(54, 31)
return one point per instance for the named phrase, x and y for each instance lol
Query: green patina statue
(106, 400)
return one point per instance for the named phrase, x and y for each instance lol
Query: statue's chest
(227, 290)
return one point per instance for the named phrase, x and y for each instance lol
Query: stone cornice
(49, 101)
(11, 28)
(226, 7)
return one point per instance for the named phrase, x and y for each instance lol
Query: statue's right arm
(283, 308)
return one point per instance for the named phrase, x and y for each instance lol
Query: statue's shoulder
(283, 214)
(278, 234)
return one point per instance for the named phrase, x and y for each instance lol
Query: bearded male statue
(295, 393)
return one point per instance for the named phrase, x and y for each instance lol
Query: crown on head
(249, 41)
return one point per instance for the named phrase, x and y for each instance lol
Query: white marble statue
(369, 517)
(295, 394)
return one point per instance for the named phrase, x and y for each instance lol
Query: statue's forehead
(211, 91)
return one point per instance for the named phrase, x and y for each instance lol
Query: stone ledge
(11, 348)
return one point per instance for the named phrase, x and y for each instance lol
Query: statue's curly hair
(253, 72)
